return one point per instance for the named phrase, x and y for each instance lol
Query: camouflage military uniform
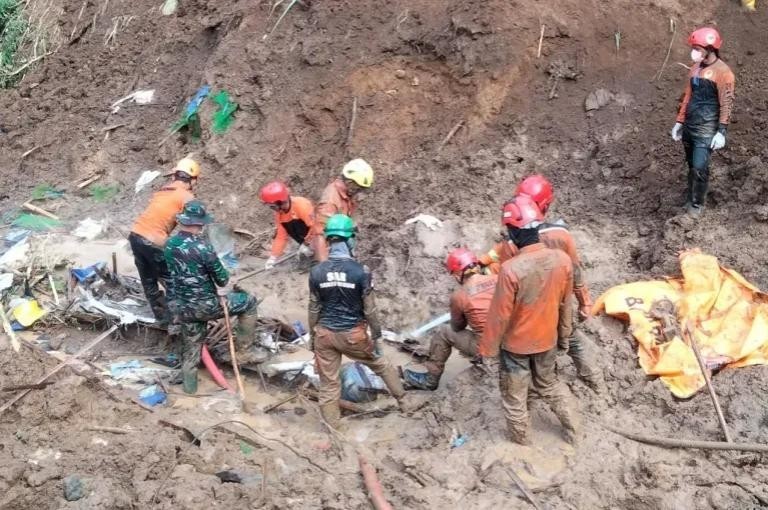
(195, 271)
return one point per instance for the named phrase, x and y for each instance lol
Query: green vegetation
(13, 31)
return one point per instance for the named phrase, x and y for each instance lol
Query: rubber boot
(420, 380)
(567, 418)
(331, 414)
(596, 383)
(189, 381)
(519, 433)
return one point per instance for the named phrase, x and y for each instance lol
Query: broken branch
(666, 442)
(352, 122)
(541, 40)
(38, 210)
(450, 135)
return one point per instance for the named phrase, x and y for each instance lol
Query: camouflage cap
(194, 213)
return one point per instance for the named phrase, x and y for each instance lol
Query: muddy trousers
(516, 373)
(442, 343)
(153, 271)
(356, 345)
(697, 154)
(583, 357)
(193, 333)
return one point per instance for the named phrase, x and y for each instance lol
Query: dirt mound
(412, 72)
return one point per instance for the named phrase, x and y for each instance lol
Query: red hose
(214, 370)
(375, 493)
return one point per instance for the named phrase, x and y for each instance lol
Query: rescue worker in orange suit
(151, 229)
(704, 113)
(341, 309)
(339, 198)
(555, 235)
(294, 219)
(529, 317)
(469, 309)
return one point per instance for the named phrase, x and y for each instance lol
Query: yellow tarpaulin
(726, 315)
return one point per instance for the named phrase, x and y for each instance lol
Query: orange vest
(159, 218)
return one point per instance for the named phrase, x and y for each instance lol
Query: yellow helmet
(359, 171)
(188, 166)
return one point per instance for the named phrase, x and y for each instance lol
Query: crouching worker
(197, 279)
(341, 308)
(469, 308)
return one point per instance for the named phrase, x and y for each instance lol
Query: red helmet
(274, 192)
(539, 189)
(459, 260)
(520, 212)
(705, 37)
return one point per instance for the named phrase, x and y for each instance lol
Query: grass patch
(13, 31)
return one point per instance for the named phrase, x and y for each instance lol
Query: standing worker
(294, 218)
(338, 198)
(469, 308)
(151, 230)
(341, 308)
(556, 236)
(197, 280)
(530, 314)
(704, 114)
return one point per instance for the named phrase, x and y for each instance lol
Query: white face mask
(697, 55)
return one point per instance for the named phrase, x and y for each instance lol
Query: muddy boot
(332, 415)
(519, 433)
(420, 381)
(567, 418)
(189, 381)
(694, 210)
(596, 383)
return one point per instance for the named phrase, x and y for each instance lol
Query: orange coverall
(297, 223)
(334, 200)
(529, 311)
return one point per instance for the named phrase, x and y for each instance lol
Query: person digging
(530, 314)
(294, 218)
(341, 309)
(196, 280)
(339, 198)
(151, 229)
(469, 309)
(555, 235)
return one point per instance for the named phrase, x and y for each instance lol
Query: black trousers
(153, 271)
(697, 154)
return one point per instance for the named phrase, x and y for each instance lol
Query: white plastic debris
(169, 7)
(6, 280)
(137, 96)
(16, 256)
(89, 229)
(427, 220)
(147, 177)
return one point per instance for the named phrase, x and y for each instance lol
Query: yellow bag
(28, 312)
(726, 315)
(749, 4)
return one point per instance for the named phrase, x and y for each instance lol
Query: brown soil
(619, 182)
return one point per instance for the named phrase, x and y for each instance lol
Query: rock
(74, 488)
(400, 74)
(761, 213)
(415, 81)
(598, 99)
(36, 478)
(56, 341)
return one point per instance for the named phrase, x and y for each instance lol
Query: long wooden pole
(667, 442)
(232, 354)
(708, 381)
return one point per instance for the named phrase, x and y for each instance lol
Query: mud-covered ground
(416, 68)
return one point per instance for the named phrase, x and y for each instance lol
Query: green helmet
(340, 225)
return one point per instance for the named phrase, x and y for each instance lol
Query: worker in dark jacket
(704, 113)
(341, 309)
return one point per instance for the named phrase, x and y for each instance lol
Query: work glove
(270, 263)
(718, 142)
(676, 133)
(306, 251)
